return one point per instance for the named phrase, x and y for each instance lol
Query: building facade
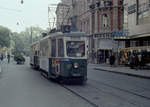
(63, 13)
(138, 18)
(106, 18)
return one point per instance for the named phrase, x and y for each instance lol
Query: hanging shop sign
(103, 3)
(123, 33)
(132, 9)
(103, 35)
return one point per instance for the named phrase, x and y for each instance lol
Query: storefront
(103, 43)
(103, 55)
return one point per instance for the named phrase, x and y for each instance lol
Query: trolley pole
(31, 36)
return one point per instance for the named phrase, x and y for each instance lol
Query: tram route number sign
(53, 62)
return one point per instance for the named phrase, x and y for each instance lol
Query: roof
(71, 34)
(35, 43)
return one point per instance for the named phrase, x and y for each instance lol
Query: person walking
(142, 64)
(140, 60)
(8, 57)
(131, 61)
(136, 62)
(112, 59)
(2, 57)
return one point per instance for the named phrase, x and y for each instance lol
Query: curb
(123, 73)
(0, 69)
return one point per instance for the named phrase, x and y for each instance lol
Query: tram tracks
(133, 102)
(123, 90)
(80, 96)
(92, 102)
(72, 91)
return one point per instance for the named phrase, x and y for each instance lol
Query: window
(75, 48)
(60, 48)
(125, 24)
(105, 20)
(53, 52)
(143, 11)
(44, 48)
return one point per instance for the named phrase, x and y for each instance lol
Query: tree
(4, 37)
(22, 40)
(18, 43)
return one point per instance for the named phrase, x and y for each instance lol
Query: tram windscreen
(75, 48)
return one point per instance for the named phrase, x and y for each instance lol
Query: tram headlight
(76, 65)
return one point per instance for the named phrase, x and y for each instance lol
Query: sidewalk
(122, 70)
(0, 66)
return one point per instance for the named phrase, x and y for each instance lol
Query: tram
(63, 56)
(34, 55)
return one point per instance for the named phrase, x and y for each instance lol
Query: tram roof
(34, 43)
(71, 34)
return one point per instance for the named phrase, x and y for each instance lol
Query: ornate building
(63, 13)
(106, 18)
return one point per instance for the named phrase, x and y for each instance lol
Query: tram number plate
(76, 75)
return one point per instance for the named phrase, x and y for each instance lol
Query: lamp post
(22, 1)
(31, 35)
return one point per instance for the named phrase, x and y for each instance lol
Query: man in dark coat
(112, 59)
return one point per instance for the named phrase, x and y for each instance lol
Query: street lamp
(17, 23)
(22, 1)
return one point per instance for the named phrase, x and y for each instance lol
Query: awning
(121, 38)
(140, 36)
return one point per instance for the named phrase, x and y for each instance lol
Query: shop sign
(120, 33)
(132, 9)
(103, 35)
(104, 3)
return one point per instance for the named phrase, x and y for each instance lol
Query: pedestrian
(131, 61)
(140, 59)
(8, 57)
(142, 64)
(2, 57)
(112, 59)
(136, 61)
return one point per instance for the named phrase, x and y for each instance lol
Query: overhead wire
(15, 10)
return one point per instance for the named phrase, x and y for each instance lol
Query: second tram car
(64, 56)
(34, 55)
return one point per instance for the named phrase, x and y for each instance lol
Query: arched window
(105, 20)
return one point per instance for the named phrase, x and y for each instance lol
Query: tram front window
(75, 48)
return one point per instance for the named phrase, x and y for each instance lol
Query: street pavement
(142, 73)
(107, 89)
(21, 86)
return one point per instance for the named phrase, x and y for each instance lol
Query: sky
(31, 13)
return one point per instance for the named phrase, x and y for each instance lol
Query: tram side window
(60, 48)
(53, 52)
